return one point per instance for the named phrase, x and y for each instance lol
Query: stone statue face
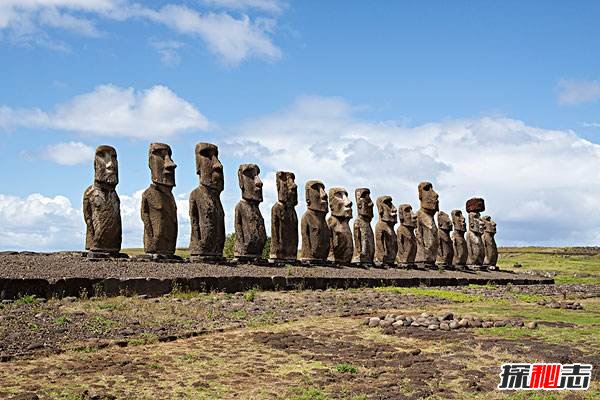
(250, 182)
(287, 190)
(316, 197)
(340, 204)
(209, 167)
(364, 204)
(444, 222)
(106, 167)
(407, 217)
(428, 197)
(161, 165)
(488, 224)
(475, 223)
(458, 220)
(386, 209)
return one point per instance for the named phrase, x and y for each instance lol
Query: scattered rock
(69, 299)
(444, 326)
(487, 324)
(499, 324)
(531, 325)
(463, 323)
(453, 325)
(447, 317)
(374, 321)
(433, 327)
(25, 396)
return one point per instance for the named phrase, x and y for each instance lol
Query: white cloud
(71, 153)
(542, 186)
(113, 111)
(233, 39)
(590, 124)
(167, 49)
(572, 92)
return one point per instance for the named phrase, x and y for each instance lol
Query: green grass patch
(250, 295)
(101, 325)
(346, 368)
(63, 320)
(238, 314)
(307, 394)
(28, 299)
(437, 293)
(530, 298)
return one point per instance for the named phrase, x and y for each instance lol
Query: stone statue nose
(258, 182)
(169, 164)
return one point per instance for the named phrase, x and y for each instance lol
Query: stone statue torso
(250, 233)
(364, 241)
(159, 213)
(460, 248)
(475, 249)
(342, 246)
(284, 232)
(445, 249)
(315, 236)
(407, 245)
(491, 250)
(386, 245)
(102, 214)
(208, 222)
(427, 238)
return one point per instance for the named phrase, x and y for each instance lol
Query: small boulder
(487, 324)
(499, 324)
(453, 325)
(444, 326)
(463, 323)
(374, 321)
(531, 325)
(433, 327)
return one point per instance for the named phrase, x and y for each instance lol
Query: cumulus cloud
(70, 153)
(571, 92)
(541, 185)
(232, 38)
(113, 111)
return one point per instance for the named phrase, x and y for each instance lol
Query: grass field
(304, 345)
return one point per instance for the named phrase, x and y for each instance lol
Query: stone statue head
(488, 224)
(444, 222)
(316, 197)
(161, 165)
(340, 204)
(209, 167)
(106, 167)
(428, 197)
(250, 182)
(475, 224)
(364, 204)
(407, 217)
(387, 211)
(458, 221)
(287, 190)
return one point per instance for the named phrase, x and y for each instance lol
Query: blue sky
(499, 99)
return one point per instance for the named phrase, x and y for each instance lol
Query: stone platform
(70, 274)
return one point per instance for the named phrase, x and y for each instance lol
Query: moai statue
(461, 252)
(407, 242)
(315, 232)
(445, 250)
(158, 209)
(427, 232)
(206, 211)
(284, 221)
(475, 246)
(341, 246)
(386, 245)
(489, 243)
(101, 207)
(364, 240)
(250, 234)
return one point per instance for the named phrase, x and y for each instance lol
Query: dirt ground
(291, 345)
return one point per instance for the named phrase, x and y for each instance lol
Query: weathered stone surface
(364, 239)
(284, 220)
(158, 209)
(445, 249)
(475, 204)
(459, 243)
(341, 245)
(489, 242)
(426, 232)
(207, 217)
(407, 242)
(250, 233)
(475, 246)
(315, 232)
(386, 242)
(101, 205)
